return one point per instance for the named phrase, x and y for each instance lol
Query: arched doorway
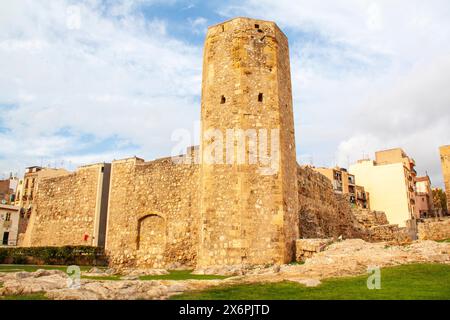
(151, 239)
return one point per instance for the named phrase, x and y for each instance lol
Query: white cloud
(367, 74)
(198, 25)
(118, 76)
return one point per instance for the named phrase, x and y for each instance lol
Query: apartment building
(390, 180)
(344, 183)
(9, 225)
(424, 198)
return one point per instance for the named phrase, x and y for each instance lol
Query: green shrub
(3, 255)
(79, 255)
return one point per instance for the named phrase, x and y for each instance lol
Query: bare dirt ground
(345, 258)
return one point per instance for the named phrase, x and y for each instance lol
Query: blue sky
(88, 81)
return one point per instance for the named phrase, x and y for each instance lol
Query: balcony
(337, 186)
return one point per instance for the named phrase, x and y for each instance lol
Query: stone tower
(445, 161)
(249, 212)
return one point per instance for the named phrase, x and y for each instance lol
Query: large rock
(306, 248)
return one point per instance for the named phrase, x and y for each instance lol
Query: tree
(440, 200)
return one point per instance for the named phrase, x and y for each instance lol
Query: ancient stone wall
(377, 227)
(153, 214)
(434, 229)
(368, 218)
(322, 212)
(65, 209)
(306, 248)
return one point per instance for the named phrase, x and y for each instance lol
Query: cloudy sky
(97, 80)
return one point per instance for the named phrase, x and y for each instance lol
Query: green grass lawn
(35, 296)
(419, 281)
(33, 268)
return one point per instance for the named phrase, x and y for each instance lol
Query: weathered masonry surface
(445, 161)
(70, 209)
(247, 217)
(153, 213)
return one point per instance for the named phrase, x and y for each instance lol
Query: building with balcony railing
(390, 181)
(344, 183)
(424, 198)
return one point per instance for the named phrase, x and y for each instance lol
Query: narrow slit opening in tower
(223, 100)
(260, 97)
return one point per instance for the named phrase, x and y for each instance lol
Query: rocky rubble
(345, 258)
(306, 248)
(434, 229)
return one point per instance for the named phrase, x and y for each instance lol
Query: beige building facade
(9, 225)
(424, 207)
(390, 181)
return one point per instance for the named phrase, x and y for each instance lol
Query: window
(8, 216)
(260, 97)
(5, 238)
(256, 26)
(223, 100)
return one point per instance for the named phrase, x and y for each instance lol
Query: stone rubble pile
(434, 229)
(306, 248)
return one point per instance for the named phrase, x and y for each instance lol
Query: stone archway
(151, 240)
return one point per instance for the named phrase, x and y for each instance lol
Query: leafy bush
(79, 255)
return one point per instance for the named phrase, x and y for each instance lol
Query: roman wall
(66, 209)
(153, 214)
(322, 212)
